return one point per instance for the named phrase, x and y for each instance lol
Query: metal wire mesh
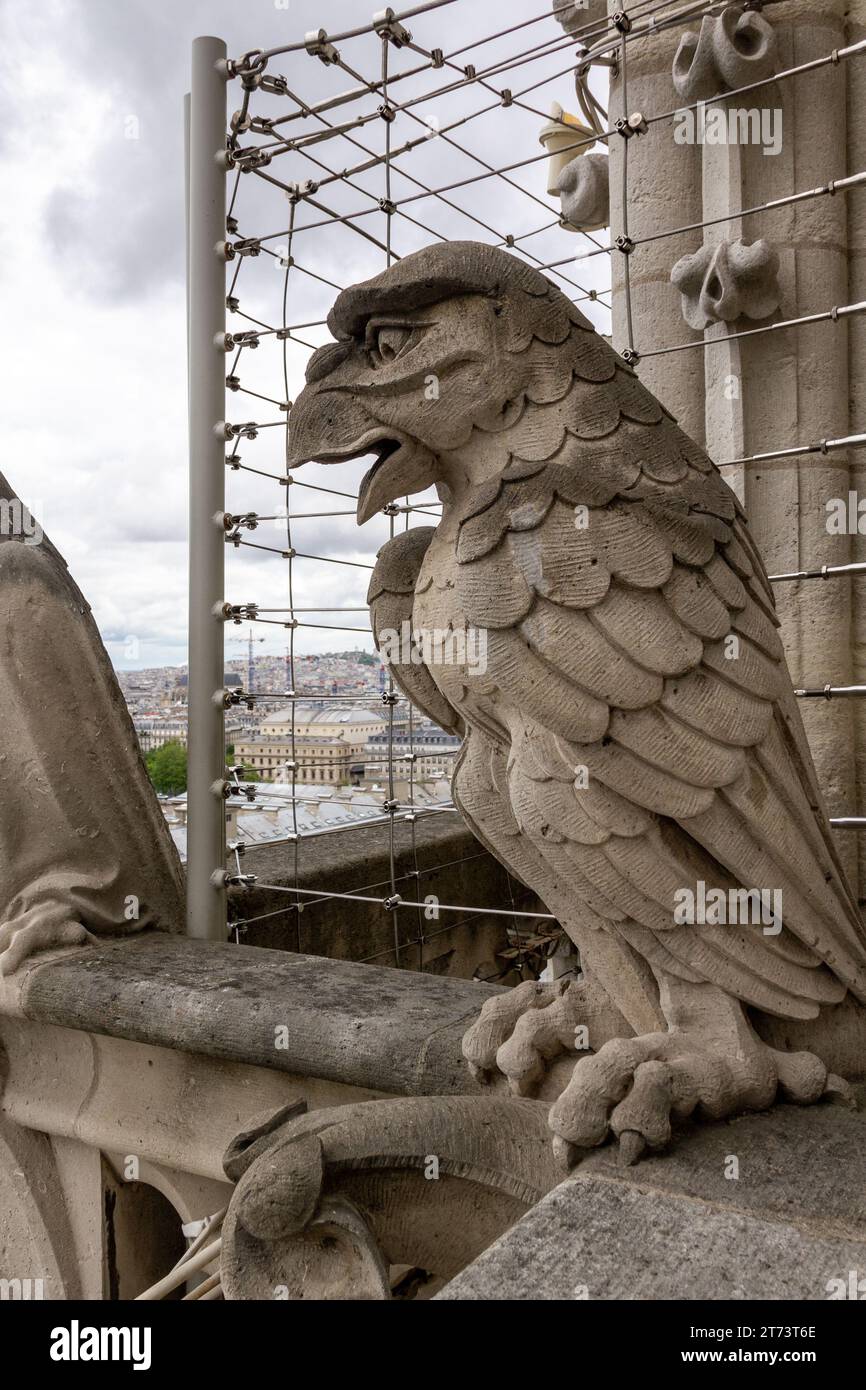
(425, 144)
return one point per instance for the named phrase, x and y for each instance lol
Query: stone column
(778, 389)
(795, 383)
(664, 190)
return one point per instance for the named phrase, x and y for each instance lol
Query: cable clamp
(469, 72)
(246, 160)
(505, 97)
(233, 383)
(389, 697)
(251, 63)
(636, 124)
(621, 21)
(631, 356)
(386, 111)
(278, 86)
(437, 58)
(624, 244)
(392, 903)
(318, 45)
(388, 206)
(386, 25)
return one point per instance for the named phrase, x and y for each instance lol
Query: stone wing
(659, 744)
(390, 596)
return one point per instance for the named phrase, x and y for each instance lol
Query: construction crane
(249, 639)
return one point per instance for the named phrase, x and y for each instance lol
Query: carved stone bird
(631, 742)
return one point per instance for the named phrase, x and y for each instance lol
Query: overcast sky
(94, 342)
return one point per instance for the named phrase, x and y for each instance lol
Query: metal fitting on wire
(624, 244)
(249, 68)
(250, 520)
(386, 25)
(392, 903)
(621, 21)
(318, 45)
(240, 612)
(636, 124)
(631, 356)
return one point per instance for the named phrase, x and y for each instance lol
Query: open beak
(401, 465)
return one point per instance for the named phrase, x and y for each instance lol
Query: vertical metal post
(206, 902)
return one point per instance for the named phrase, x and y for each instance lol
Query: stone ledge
(674, 1227)
(361, 1025)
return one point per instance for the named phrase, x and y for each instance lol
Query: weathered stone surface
(452, 865)
(730, 50)
(631, 735)
(677, 1228)
(721, 283)
(84, 847)
(360, 1024)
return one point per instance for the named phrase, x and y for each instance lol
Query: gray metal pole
(206, 902)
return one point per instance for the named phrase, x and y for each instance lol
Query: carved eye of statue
(386, 341)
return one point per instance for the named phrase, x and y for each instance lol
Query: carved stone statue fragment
(632, 746)
(722, 282)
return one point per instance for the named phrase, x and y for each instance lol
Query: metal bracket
(318, 45)
(386, 25)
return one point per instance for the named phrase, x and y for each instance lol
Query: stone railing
(131, 1068)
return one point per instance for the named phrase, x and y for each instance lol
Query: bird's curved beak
(328, 426)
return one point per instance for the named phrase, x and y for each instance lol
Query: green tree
(167, 768)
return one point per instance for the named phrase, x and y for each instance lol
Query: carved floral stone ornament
(724, 282)
(730, 50)
(612, 752)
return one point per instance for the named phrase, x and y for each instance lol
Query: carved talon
(632, 1087)
(520, 1032)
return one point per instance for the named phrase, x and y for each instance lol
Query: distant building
(328, 740)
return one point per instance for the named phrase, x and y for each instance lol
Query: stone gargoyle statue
(632, 743)
(84, 847)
